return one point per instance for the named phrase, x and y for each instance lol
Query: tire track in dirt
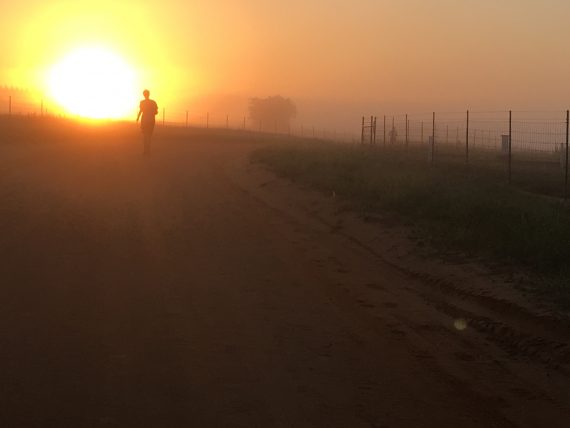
(488, 316)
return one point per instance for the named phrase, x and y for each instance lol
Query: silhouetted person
(148, 110)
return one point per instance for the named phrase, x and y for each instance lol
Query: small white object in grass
(460, 324)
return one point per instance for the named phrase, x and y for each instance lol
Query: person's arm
(140, 112)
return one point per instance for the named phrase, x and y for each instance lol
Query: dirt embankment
(194, 289)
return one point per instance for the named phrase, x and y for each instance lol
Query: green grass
(466, 209)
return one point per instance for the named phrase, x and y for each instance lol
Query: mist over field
(337, 60)
(300, 213)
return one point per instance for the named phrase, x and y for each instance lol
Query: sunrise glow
(94, 82)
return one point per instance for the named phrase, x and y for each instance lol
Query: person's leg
(149, 132)
(146, 143)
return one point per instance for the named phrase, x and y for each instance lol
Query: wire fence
(20, 104)
(219, 120)
(527, 149)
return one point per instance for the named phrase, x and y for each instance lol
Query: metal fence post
(361, 132)
(467, 140)
(371, 129)
(433, 139)
(384, 140)
(566, 161)
(406, 131)
(510, 144)
(375, 125)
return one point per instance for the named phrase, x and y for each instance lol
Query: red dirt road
(187, 290)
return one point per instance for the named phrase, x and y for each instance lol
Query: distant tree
(272, 113)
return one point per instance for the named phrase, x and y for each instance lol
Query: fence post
(375, 123)
(566, 162)
(384, 140)
(361, 132)
(406, 131)
(467, 140)
(510, 144)
(371, 129)
(422, 133)
(433, 139)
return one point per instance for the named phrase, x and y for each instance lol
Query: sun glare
(95, 83)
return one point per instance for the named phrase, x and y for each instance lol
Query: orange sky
(362, 55)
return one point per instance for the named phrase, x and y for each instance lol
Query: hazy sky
(362, 54)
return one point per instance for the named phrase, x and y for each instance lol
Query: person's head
(146, 93)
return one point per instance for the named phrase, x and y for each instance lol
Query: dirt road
(182, 291)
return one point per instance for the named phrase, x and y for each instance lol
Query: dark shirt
(149, 110)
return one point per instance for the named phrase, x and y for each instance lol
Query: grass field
(459, 208)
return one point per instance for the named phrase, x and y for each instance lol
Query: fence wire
(24, 105)
(527, 148)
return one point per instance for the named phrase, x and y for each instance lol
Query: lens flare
(460, 324)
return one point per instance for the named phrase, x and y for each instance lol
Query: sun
(94, 82)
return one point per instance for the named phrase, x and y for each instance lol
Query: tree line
(273, 113)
